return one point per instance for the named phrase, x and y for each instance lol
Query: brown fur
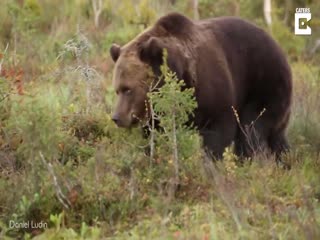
(228, 61)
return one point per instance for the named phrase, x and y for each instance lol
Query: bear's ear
(115, 52)
(151, 51)
(176, 24)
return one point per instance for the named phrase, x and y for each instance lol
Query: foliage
(170, 103)
(173, 108)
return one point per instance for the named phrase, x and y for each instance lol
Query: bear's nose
(115, 118)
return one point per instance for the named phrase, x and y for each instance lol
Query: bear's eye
(127, 90)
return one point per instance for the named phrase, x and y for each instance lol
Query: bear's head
(137, 66)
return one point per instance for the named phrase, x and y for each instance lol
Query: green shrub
(304, 126)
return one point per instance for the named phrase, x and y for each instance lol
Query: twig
(152, 130)
(61, 197)
(175, 182)
(132, 184)
(4, 97)
(153, 117)
(1, 60)
(249, 131)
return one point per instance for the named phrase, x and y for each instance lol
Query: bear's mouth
(129, 122)
(135, 120)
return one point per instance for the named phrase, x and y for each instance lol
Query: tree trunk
(316, 46)
(97, 9)
(195, 4)
(267, 12)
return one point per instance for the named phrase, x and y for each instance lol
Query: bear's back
(252, 54)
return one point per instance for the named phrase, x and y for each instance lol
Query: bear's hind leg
(253, 131)
(278, 145)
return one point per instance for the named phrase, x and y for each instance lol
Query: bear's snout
(121, 120)
(115, 118)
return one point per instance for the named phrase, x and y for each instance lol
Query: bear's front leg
(218, 135)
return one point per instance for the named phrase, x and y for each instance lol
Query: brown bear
(231, 63)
